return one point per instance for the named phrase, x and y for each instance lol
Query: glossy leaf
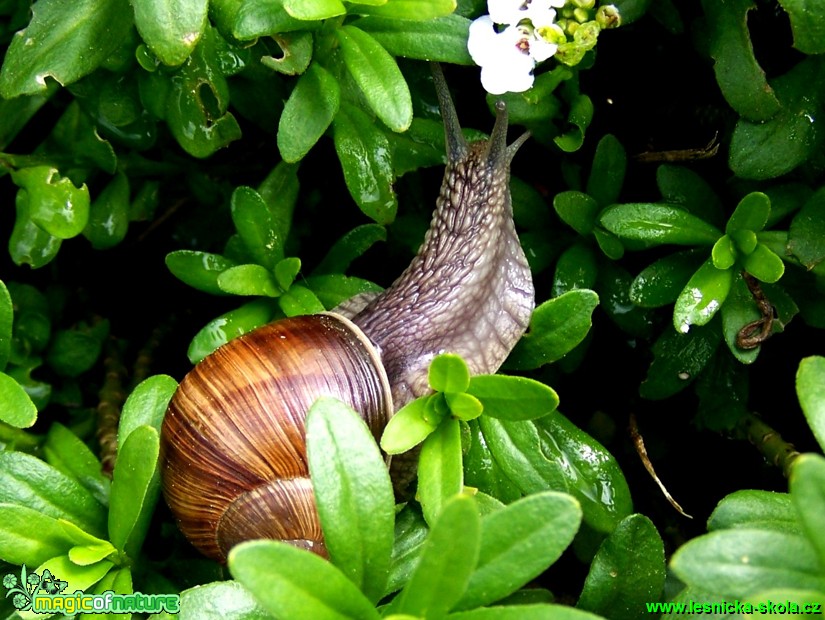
(627, 572)
(591, 473)
(807, 487)
(248, 280)
(656, 223)
(738, 311)
(577, 210)
(513, 398)
(482, 471)
(313, 9)
(29, 536)
(55, 204)
(199, 270)
(230, 325)
(217, 601)
(808, 25)
(254, 18)
(752, 509)
(364, 152)
(581, 113)
(18, 410)
(292, 583)
(751, 213)
(146, 406)
(687, 189)
(525, 612)
(64, 42)
(810, 389)
(171, 28)
(440, 471)
(334, 288)
(613, 284)
(441, 39)
(28, 481)
(135, 490)
(738, 73)
(296, 48)
(6, 323)
(109, 214)
(763, 264)
(349, 247)
(660, 283)
(740, 562)
(678, 358)
(447, 560)
(576, 268)
(723, 253)
(556, 327)
(765, 150)
(353, 493)
(259, 227)
(308, 112)
(518, 543)
(410, 426)
(378, 77)
(418, 10)
(808, 230)
(702, 296)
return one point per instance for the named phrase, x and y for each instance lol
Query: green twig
(769, 442)
(112, 397)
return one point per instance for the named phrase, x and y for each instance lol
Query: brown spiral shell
(233, 439)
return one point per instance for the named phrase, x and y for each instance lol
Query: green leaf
(109, 214)
(591, 473)
(678, 358)
(581, 113)
(18, 410)
(724, 253)
(55, 204)
(807, 487)
(660, 283)
(810, 389)
(365, 155)
(378, 77)
(73, 352)
(627, 572)
(293, 583)
(299, 300)
(738, 73)
(449, 373)
(146, 406)
(702, 296)
(258, 226)
(410, 533)
(463, 406)
(335, 288)
(576, 268)
(28, 481)
(687, 189)
(199, 270)
(248, 280)
(764, 150)
(738, 563)
(556, 328)
(349, 247)
(6, 323)
(313, 9)
(738, 311)
(513, 398)
(296, 49)
(63, 42)
(657, 223)
(607, 174)
(230, 325)
(577, 210)
(482, 471)
(251, 19)
(135, 490)
(448, 558)
(440, 471)
(808, 25)
(808, 230)
(440, 39)
(171, 28)
(525, 612)
(353, 493)
(418, 10)
(28, 536)
(516, 448)
(751, 213)
(763, 264)
(218, 600)
(308, 112)
(410, 426)
(66, 451)
(518, 543)
(751, 509)
(80, 577)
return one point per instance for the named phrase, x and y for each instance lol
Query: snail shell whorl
(233, 440)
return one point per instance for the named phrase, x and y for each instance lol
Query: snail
(233, 449)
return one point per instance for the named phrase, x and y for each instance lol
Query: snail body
(233, 439)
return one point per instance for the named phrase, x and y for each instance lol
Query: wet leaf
(442, 39)
(702, 296)
(171, 28)
(810, 388)
(657, 223)
(55, 204)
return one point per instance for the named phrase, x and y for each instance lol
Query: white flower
(504, 57)
(514, 11)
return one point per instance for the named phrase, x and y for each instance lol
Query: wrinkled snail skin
(233, 449)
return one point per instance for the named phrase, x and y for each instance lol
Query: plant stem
(112, 397)
(769, 443)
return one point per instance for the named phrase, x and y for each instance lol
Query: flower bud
(608, 16)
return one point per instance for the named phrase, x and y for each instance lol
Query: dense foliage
(174, 173)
